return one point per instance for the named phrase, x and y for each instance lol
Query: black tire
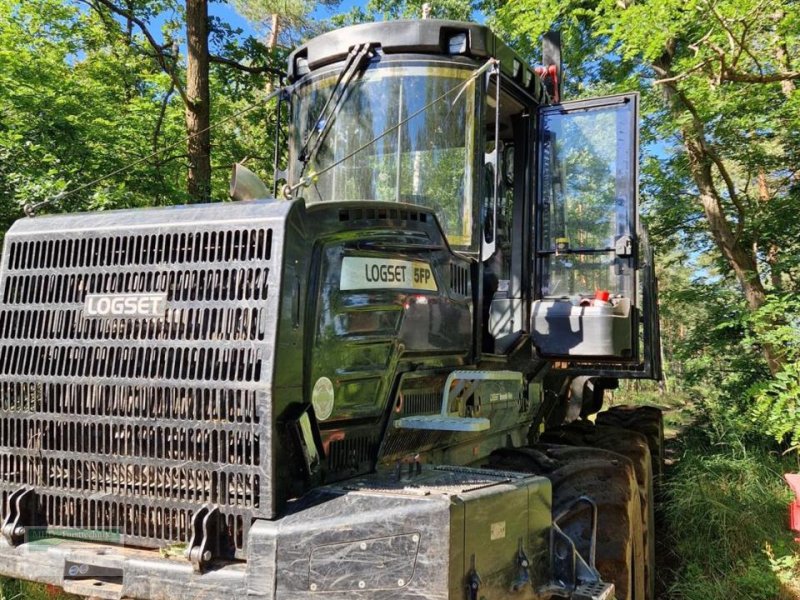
(647, 420)
(610, 480)
(635, 447)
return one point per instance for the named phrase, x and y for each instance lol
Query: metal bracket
(523, 570)
(623, 246)
(460, 385)
(569, 566)
(205, 532)
(20, 514)
(473, 585)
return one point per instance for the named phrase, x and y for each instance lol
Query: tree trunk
(773, 251)
(272, 44)
(272, 40)
(787, 85)
(198, 110)
(739, 258)
(701, 160)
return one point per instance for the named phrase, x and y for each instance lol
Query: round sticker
(322, 398)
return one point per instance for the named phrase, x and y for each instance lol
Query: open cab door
(590, 286)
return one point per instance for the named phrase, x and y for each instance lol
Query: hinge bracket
(20, 514)
(206, 534)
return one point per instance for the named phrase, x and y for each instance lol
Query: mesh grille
(460, 279)
(134, 424)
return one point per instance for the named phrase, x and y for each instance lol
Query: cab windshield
(427, 159)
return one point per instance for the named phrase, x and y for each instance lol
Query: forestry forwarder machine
(378, 385)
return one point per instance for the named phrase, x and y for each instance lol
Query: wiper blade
(356, 62)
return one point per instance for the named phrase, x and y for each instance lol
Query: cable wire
(30, 209)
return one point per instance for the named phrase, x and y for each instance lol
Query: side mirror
(246, 185)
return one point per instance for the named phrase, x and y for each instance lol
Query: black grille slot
(460, 280)
(128, 401)
(421, 402)
(175, 248)
(351, 453)
(179, 363)
(229, 284)
(231, 324)
(132, 424)
(382, 214)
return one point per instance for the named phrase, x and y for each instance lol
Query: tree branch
(160, 57)
(704, 147)
(738, 76)
(726, 177)
(221, 60)
(162, 113)
(684, 74)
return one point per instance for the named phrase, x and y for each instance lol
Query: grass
(725, 512)
(13, 589)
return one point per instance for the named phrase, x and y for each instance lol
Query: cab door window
(587, 206)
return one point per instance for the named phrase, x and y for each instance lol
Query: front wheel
(607, 478)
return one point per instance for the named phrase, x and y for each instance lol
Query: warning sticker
(385, 273)
(498, 530)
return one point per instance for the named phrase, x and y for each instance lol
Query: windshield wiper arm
(356, 62)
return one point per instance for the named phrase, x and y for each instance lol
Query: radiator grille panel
(134, 424)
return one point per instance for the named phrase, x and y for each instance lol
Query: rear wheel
(610, 481)
(647, 420)
(633, 446)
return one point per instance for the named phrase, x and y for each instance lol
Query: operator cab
(540, 197)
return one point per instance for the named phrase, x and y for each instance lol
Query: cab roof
(424, 36)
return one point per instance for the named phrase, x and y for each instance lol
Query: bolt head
(401, 582)
(313, 587)
(361, 585)
(207, 556)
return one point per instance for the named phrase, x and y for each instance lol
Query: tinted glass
(588, 198)
(584, 200)
(427, 160)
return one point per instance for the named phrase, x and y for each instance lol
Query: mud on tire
(610, 480)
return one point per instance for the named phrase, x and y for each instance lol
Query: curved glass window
(426, 159)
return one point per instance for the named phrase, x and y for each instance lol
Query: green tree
(385, 10)
(74, 107)
(285, 22)
(88, 91)
(718, 80)
(193, 86)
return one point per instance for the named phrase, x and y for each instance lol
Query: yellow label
(360, 273)
(498, 530)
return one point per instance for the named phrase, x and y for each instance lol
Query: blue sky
(226, 12)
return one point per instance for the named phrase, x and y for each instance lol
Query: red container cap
(602, 295)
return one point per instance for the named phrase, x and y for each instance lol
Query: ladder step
(442, 423)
